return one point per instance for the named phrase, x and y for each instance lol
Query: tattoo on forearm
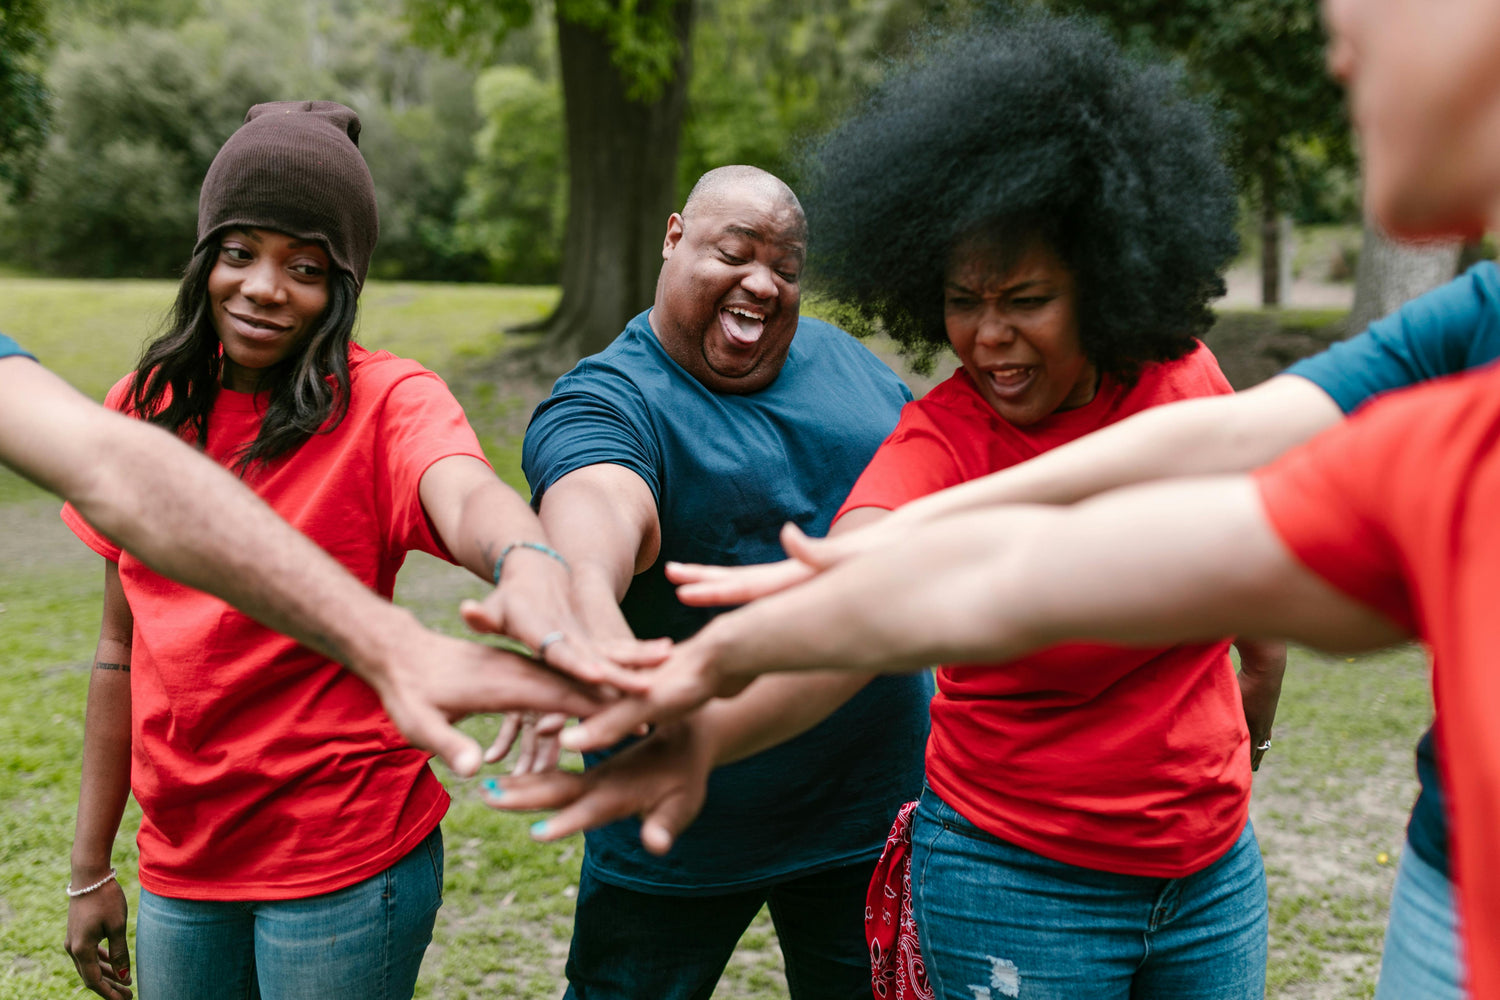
(125, 667)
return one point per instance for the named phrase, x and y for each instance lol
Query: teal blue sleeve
(9, 348)
(1448, 330)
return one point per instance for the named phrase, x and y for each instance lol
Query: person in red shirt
(289, 842)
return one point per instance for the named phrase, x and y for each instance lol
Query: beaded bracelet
(74, 893)
(545, 550)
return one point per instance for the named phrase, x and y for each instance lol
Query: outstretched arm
(1186, 560)
(189, 519)
(1193, 437)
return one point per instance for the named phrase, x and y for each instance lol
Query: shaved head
(738, 181)
(729, 290)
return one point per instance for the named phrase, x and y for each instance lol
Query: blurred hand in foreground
(662, 779)
(688, 678)
(717, 586)
(535, 609)
(426, 682)
(537, 736)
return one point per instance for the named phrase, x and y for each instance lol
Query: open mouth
(742, 325)
(1011, 380)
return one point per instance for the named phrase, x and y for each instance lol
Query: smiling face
(1424, 92)
(727, 299)
(1015, 329)
(266, 293)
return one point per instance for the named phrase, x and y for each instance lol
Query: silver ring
(1264, 746)
(548, 640)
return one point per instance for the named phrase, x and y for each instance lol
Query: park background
(525, 156)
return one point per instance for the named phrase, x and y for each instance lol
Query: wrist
(711, 651)
(521, 551)
(378, 650)
(84, 871)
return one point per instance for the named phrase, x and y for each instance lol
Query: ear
(674, 235)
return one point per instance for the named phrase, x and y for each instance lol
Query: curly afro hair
(1035, 128)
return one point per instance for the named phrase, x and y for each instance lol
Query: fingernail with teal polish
(492, 788)
(539, 829)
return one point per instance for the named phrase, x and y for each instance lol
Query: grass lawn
(1329, 806)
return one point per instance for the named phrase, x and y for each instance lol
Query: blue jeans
(1422, 957)
(996, 921)
(630, 945)
(365, 940)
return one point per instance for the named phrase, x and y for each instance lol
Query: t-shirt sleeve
(10, 349)
(420, 423)
(1322, 500)
(917, 459)
(1430, 336)
(115, 400)
(592, 417)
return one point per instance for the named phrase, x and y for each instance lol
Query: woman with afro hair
(1057, 214)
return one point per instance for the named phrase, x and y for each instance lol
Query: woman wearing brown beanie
(289, 842)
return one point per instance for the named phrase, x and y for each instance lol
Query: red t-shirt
(263, 769)
(1124, 760)
(1398, 509)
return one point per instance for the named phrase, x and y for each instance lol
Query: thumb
(119, 955)
(483, 616)
(665, 821)
(803, 549)
(428, 730)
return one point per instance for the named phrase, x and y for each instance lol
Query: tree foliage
(642, 39)
(1261, 60)
(144, 100)
(24, 107)
(514, 208)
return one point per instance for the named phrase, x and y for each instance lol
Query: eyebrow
(1019, 286)
(250, 234)
(794, 246)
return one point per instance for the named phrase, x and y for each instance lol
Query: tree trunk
(622, 185)
(1390, 274)
(1270, 238)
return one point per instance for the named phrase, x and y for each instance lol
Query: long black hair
(1035, 128)
(177, 379)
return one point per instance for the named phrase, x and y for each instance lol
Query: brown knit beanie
(295, 167)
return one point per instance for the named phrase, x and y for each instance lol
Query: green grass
(1330, 800)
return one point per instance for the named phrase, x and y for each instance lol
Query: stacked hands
(651, 690)
(654, 689)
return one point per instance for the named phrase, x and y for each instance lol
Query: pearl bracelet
(75, 893)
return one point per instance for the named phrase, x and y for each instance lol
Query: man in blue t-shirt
(717, 416)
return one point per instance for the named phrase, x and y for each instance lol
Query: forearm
(596, 598)
(169, 507)
(1194, 437)
(603, 520)
(771, 711)
(105, 783)
(493, 517)
(994, 585)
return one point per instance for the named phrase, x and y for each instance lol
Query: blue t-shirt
(9, 348)
(1448, 330)
(727, 471)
